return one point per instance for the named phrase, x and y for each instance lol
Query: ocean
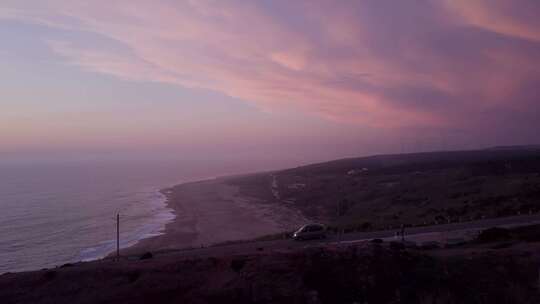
(57, 213)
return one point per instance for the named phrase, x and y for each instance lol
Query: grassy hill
(413, 189)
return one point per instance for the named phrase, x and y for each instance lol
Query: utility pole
(339, 232)
(118, 236)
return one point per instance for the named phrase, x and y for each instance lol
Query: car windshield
(311, 228)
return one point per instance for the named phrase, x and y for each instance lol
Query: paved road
(441, 233)
(452, 230)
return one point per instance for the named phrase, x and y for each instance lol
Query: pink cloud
(519, 19)
(370, 63)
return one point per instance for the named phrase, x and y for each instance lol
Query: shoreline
(212, 211)
(196, 214)
(154, 227)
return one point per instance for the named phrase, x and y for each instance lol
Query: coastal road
(440, 233)
(447, 231)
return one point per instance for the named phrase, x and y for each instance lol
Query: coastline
(154, 227)
(194, 214)
(212, 211)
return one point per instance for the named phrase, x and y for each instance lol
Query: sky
(297, 81)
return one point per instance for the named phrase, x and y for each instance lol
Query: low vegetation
(371, 272)
(387, 191)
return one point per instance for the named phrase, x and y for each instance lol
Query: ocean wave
(153, 225)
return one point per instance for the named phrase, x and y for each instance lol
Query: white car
(310, 232)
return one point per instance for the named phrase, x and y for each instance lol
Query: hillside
(501, 266)
(413, 189)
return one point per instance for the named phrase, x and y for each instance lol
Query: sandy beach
(213, 211)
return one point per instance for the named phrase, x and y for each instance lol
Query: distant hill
(522, 147)
(415, 189)
(420, 160)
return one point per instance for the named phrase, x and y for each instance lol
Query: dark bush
(50, 275)
(238, 264)
(146, 256)
(493, 235)
(397, 245)
(67, 265)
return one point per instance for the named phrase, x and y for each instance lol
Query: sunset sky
(310, 80)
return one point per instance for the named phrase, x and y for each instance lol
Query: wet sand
(212, 211)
